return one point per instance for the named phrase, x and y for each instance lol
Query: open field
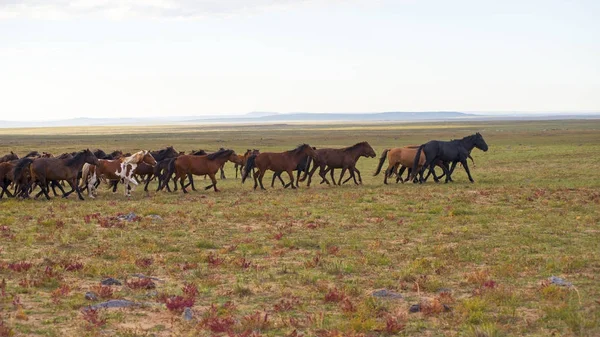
(306, 262)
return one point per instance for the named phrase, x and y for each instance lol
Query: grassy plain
(306, 262)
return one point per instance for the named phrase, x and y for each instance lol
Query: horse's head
(255, 151)
(90, 157)
(148, 158)
(234, 158)
(368, 150)
(308, 150)
(480, 142)
(170, 152)
(12, 156)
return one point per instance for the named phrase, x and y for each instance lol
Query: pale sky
(131, 58)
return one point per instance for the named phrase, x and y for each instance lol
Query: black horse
(454, 151)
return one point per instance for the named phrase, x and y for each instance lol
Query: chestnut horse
(44, 170)
(344, 158)
(302, 166)
(277, 162)
(6, 176)
(188, 165)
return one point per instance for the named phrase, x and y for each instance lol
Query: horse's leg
(255, 175)
(214, 181)
(260, 179)
(450, 170)
(181, 181)
(310, 174)
(341, 176)
(331, 173)
(223, 172)
(55, 183)
(356, 171)
(291, 175)
(75, 187)
(466, 166)
(189, 175)
(148, 178)
(400, 173)
(43, 184)
(275, 175)
(298, 173)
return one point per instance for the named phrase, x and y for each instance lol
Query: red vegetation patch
(144, 262)
(188, 265)
(92, 317)
(256, 321)
(88, 218)
(72, 266)
(244, 263)
(214, 260)
(103, 291)
(63, 291)
(286, 304)
(142, 283)
(190, 290)
(178, 303)
(335, 295)
(20, 266)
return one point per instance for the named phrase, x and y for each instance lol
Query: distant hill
(274, 117)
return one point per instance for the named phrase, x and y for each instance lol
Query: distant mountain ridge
(275, 117)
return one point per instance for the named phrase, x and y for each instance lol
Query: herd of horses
(85, 170)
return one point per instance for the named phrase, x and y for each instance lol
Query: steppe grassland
(309, 260)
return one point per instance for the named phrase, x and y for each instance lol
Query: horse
(188, 165)
(118, 169)
(44, 170)
(344, 158)
(240, 167)
(454, 151)
(6, 176)
(278, 162)
(400, 156)
(9, 157)
(146, 171)
(303, 166)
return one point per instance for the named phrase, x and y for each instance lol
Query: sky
(148, 58)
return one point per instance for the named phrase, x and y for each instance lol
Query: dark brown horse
(277, 162)
(344, 158)
(210, 164)
(9, 157)
(44, 170)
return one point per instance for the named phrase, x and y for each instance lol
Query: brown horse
(188, 165)
(9, 157)
(6, 176)
(277, 162)
(45, 170)
(344, 158)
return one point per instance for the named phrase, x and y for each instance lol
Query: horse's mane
(355, 146)
(220, 153)
(131, 158)
(76, 157)
(65, 155)
(32, 154)
(21, 165)
(100, 154)
(298, 149)
(198, 153)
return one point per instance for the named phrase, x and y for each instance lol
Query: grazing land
(308, 262)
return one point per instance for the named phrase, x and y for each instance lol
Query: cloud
(147, 9)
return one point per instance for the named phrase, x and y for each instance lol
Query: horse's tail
(250, 163)
(413, 173)
(169, 171)
(85, 172)
(22, 167)
(381, 161)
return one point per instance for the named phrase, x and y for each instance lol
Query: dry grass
(305, 263)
